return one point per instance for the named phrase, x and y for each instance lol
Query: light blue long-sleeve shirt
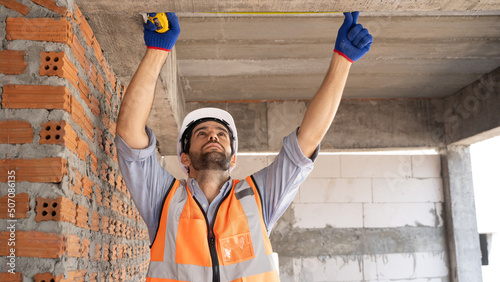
(148, 182)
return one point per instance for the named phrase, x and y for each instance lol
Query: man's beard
(211, 160)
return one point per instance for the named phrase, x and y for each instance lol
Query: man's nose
(213, 136)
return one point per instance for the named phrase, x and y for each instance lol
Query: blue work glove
(163, 41)
(353, 41)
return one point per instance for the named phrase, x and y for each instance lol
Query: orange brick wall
(74, 219)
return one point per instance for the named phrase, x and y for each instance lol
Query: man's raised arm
(138, 99)
(353, 41)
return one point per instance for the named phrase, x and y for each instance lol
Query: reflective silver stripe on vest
(174, 213)
(262, 262)
(176, 271)
(168, 269)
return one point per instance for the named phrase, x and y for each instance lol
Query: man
(211, 227)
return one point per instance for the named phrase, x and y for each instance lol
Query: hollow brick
(84, 91)
(99, 138)
(58, 209)
(79, 52)
(35, 244)
(15, 132)
(92, 72)
(58, 132)
(109, 73)
(76, 275)
(98, 195)
(109, 97)
(82, 149)
(120, 207)
(73, 246)
(97, 50)
(12, 62)
(51, 5)
(47, 276)
(97, 252)
(111, 178)
(123, 209)
(124, 229)
(77, 182)
(100, 83)
(77, 15)
(36, 97)
(95, 221)
(94, 105)
(112, 127)
(112, 226)
(85, 248)
(106, 202)
(85, 28)
(34, 170)
(87, 187)
(11, 277)
(57, 64)
(118, 229)
(22, 206)
(16, 6)
(94, 165)
(104, 224)
(93, 277)
(114, 203)
(103, 173)
(123, 276)
(114, 252)
(79, 116)
(119, 185)
(108, 147)
(39, 29)
(105, 252)
(82, 216)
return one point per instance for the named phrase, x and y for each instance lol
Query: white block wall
(365, 191)
(372, 191)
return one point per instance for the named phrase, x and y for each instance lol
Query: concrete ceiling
(421, 49)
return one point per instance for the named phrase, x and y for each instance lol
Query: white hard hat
(201, 115)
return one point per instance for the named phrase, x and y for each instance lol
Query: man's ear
(233, 161)
(185, 160)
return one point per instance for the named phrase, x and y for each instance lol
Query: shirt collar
(195, 189)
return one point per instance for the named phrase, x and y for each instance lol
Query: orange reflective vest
(236, 249)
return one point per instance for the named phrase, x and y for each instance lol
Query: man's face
(210, 147)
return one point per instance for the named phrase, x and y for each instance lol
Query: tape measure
(161, 22)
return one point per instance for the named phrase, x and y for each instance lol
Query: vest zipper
(216, 271)
(211, 246)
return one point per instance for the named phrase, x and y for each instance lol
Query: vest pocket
(236, 248)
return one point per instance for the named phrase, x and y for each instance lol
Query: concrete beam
(297, 242)
(359, 124)
(473, 110)
(303, 87)
(280, 29)
(460, 212)
(287, 6)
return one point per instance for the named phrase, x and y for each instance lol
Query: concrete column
(460, 212)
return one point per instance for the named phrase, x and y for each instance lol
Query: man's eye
(222, 134)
